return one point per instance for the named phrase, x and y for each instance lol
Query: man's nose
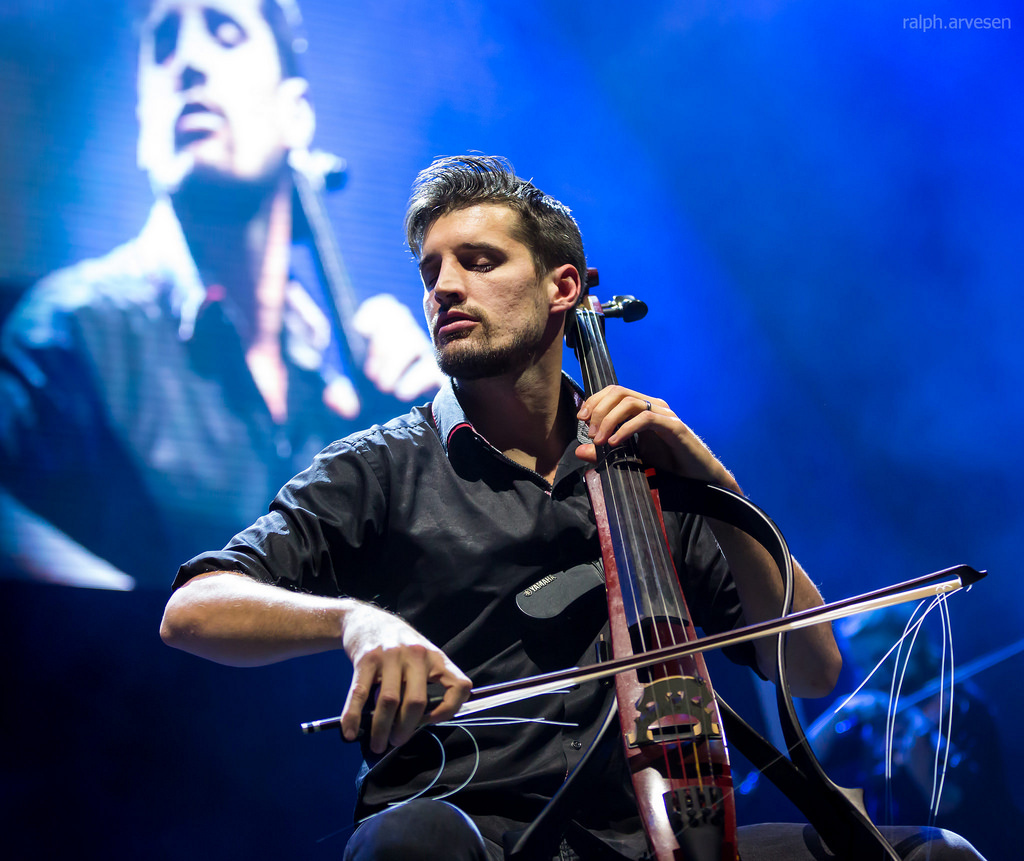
(192, 53)
(450, 286)
(190, 77)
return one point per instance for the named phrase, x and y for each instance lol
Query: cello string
(599, 365)
(626, 487)
(878, 666)
(427, 788)
(632, 484)
(895, 690)
(943, 744)
(624, 497)
(699, 745)
(943, 737)
(829, 715)
(598, 374)
(667, 594)
(663, 612)
(629, 486)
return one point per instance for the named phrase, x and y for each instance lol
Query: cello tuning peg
(629, 308)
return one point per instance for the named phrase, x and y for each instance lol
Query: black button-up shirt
(424, 517)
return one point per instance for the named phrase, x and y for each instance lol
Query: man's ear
(567, 286)
(296, 113)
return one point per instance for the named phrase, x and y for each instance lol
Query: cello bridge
(674, 708)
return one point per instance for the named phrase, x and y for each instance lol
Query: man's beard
(464, 359)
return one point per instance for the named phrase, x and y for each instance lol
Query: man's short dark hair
(285, 22)
(545, 225)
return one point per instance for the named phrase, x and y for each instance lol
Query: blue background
(820, 205)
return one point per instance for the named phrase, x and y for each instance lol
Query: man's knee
(775, 841)
(936, 844)
(421, 830)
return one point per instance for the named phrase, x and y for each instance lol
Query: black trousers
(426, 830)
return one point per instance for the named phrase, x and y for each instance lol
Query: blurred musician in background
(153, 400)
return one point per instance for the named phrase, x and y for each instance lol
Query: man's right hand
(230, 618)
(389, 653)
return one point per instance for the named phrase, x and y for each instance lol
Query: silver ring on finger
(648, 405)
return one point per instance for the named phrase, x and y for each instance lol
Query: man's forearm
(812, 654)
(232, 619)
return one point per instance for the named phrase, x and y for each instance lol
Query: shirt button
(575, 745)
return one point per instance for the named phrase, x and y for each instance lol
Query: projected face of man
(212, 99)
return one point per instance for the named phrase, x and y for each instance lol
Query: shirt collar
(162, 250)
(450, 419)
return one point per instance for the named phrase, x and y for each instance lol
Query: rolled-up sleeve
(320, 531)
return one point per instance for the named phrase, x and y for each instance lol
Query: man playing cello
(406, 545)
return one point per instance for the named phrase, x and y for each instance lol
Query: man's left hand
(615, 413)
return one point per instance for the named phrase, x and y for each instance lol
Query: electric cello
(671, 723)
